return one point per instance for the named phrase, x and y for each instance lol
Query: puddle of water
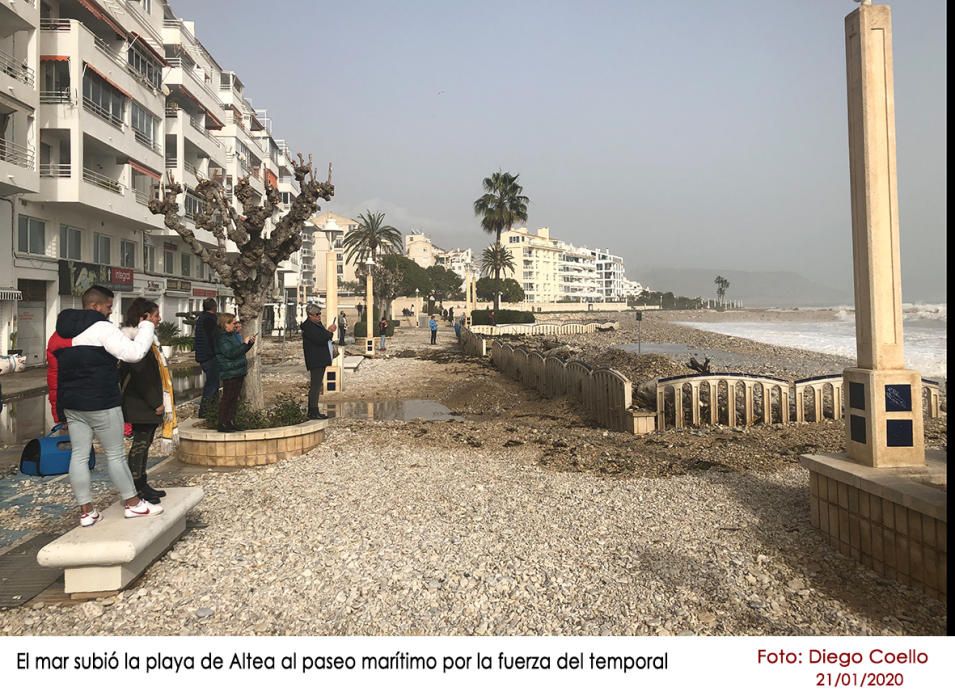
(29, 417)
(406, 410)
(681, 351)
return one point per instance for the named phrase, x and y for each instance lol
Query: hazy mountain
(764, 288)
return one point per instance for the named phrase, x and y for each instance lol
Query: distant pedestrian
(230, 356)
(433, 325)
(360, 307)
(457, 328)
(148, 401)
(382, 332)
(316, 344)
(88, 396)
(490, 318)
(206, 331)
(451, 315)
(342, 327)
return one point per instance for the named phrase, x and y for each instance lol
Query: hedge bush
(360, 327)
(482, 318)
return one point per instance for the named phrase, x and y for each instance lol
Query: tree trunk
(252, 386)
(497, 290)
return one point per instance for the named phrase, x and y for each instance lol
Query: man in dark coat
(317, 344)
(206, 330)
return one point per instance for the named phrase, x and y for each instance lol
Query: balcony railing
(147, 141)
(172, 162)
(91, 106)
(14, 153)
(142, 197)
(172, 112)
(94, 178)
(17, 69)
(49, 24)
(53, 97)
(55, 170)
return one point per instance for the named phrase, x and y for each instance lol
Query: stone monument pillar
(369, 314)
(884, 400)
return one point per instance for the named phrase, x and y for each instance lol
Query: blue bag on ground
(50, 455)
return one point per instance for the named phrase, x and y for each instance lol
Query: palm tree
(494, 259)
(501, 207)
(722, 284)
(371, 239)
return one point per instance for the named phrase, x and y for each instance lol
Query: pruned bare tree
(250, 273)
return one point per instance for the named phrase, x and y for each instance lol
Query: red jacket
(56, 342)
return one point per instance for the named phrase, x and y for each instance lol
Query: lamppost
(430, 304)
(417, 306)
(369, 309)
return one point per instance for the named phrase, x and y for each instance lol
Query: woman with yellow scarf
(148, 402)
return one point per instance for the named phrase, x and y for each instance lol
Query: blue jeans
(107, 425)
(381, 345)
(211, 386)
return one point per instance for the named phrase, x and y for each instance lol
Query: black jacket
(206, 331)
(315, 341)
(87, 370)
(141, 384)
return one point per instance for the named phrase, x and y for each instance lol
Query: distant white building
(97, 101)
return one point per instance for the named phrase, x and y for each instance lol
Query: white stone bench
(114, 551)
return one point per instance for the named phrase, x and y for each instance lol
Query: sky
(688, 134)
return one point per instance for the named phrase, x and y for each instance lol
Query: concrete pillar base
(884, 424)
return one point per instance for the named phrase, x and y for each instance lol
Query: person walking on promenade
(147, 399)
(433, 325)
(382, 332)
(457, 328)
(232, 365)
(342, 328)
(206, 331)
(316, 344)
(490, 318)
(89, 398)
(451, 316)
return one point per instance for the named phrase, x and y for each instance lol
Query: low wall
(472, 344)
(247, 448)
(764, 399)
(604, 394)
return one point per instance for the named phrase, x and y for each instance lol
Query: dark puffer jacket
(206, 330)
(87, 371)
(230, 355)
(141, 384)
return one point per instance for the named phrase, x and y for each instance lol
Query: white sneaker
(142, 509)
(89, 518)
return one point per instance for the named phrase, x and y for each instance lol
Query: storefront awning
(9, 294)
(54, 58)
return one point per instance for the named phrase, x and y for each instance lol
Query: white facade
(97, 101)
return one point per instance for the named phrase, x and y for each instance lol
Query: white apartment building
(420, 249)
(330, 230)
(610, 276)
(459, 261)
(550, 270)
(97, 100)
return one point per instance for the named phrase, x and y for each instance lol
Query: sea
(924, 328)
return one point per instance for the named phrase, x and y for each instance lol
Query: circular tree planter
(248, 448)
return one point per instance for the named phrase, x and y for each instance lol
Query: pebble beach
(518, 518)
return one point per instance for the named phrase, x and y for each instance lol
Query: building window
(103, 98)
(32, 236)
(144, 125)
(169, 262)
(101, 245)
(149, 70)
(149, 258)
(186, 262)
(193, 206)
(71, 243)
(127, 253)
